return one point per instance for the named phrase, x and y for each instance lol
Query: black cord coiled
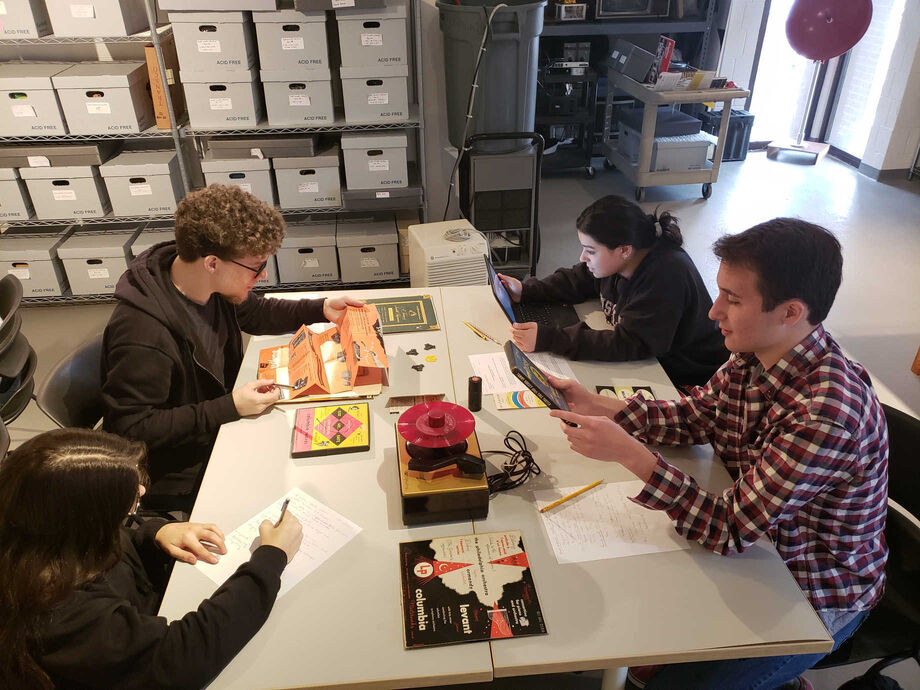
(517, 468)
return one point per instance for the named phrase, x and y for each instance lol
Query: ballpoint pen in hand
(283, 510)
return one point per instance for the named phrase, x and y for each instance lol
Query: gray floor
(876, 316)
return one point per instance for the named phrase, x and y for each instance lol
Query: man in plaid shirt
(796, 424)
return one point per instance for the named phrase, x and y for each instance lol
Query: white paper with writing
(141, 189)
(372, 39)
(21, 273)
(23, 110)
(98, 273)
(64, 194)
(221, 103)
(382, 195)
(369, 262)
(245, 186)
(99, 108)
(82, 11)
(38, 162)
(378, 166)
(604, 523)
(496, 375)
(381, 98)
(339, 4)
(208, 45)
(292, 43)
(324, 532)
(308, 188)
(296, 99)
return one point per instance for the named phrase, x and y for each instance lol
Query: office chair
(17, 391)
(71, 395)
(4, 441)
(891, 632)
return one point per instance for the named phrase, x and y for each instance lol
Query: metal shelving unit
(149, 133)
(339, 125)
(140, 37)
(625, 27)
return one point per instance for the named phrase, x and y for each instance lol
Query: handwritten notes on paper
(604, 523)
(493, 369)
(324, 533)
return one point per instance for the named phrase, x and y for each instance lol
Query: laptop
(543, 313)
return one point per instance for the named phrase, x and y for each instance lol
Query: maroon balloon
(823, 29)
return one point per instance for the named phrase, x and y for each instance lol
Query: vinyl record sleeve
(343, 428)
(467, 589)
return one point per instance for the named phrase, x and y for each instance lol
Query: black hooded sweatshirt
(154, 387)
(661, 311)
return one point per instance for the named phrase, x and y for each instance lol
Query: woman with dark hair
(649, 288)
(78, 595)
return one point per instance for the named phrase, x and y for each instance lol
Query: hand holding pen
(286, 534)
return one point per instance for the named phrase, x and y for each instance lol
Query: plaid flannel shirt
(806, 444)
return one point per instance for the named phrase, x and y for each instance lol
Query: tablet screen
(501, 294)
(522, 367)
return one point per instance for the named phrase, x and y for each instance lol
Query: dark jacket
(107, 633)
(155, 389)
(661, 311)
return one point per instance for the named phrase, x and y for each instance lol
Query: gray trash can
(506, 98)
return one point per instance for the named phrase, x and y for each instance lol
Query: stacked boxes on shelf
(217, 55)
(294, 60)
(142, 183)
(30, 104)
(95, 259)
(25, 19)
(105, 97)
(31, 255)
(97, 18)
(309, 182)
(307, 253)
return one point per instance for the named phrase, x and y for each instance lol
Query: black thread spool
(474, 396)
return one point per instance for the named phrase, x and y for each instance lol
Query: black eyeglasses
(257, 271)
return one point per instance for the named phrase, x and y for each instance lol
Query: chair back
(4, 441)
(10, 297)
(903, 459)
(72, 393)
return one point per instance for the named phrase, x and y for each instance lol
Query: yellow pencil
(570, 496)
(481, 334)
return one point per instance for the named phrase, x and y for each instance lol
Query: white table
(342, 626)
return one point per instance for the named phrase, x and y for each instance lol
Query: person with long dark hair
(79, 593)
(650, 291)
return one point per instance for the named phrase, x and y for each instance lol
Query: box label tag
(378, 98)
(298, 99)
(83, 11)
(292, 43)
(140, 189)
(208, 45)
(310, 262)
(339, 4)
(21, 273)
(383, 195)
(98, 273)
(64, 194)
(245, 186)
(39, 162)
(372, 39)
(369, 262)
(99, 108)
(378, 166)
(23, 111)
(256, 153)
(308, 188)
(2, 7)
(221, 103)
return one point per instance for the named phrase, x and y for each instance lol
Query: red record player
(442, 473)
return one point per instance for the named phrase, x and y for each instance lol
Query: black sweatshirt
(156, 388)
(661, 311)
(107, 633)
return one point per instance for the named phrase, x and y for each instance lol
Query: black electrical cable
(517, 468)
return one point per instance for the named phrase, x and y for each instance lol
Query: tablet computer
(534, 378)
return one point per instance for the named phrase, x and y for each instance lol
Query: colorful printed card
(328, 429)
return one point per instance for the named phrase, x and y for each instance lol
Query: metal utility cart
(640, 173)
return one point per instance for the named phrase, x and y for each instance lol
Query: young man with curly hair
(172, 348)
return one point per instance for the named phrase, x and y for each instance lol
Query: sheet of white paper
(493, 369)
(324, 532)
(604, 523)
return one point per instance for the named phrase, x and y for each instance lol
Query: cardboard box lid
(99, 244)
(324, 159)
(311, 232)
(8, 174)
(215, 76)
(31, 244)
(364, 229)
(25, 76)
(62, 172)
(264, 147)
(217, 17)
(151, 236)
(210, 164)
(138, 163)
(305, 75)
(96, 75)
(374, 141)
(394, 9)
(687, 141)
(366, 72)
(36, 155)
(289, 17)
(309, 5)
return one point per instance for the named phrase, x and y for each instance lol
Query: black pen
(283, 510)
(284, 385)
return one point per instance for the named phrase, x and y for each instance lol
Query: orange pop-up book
(343, 361)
